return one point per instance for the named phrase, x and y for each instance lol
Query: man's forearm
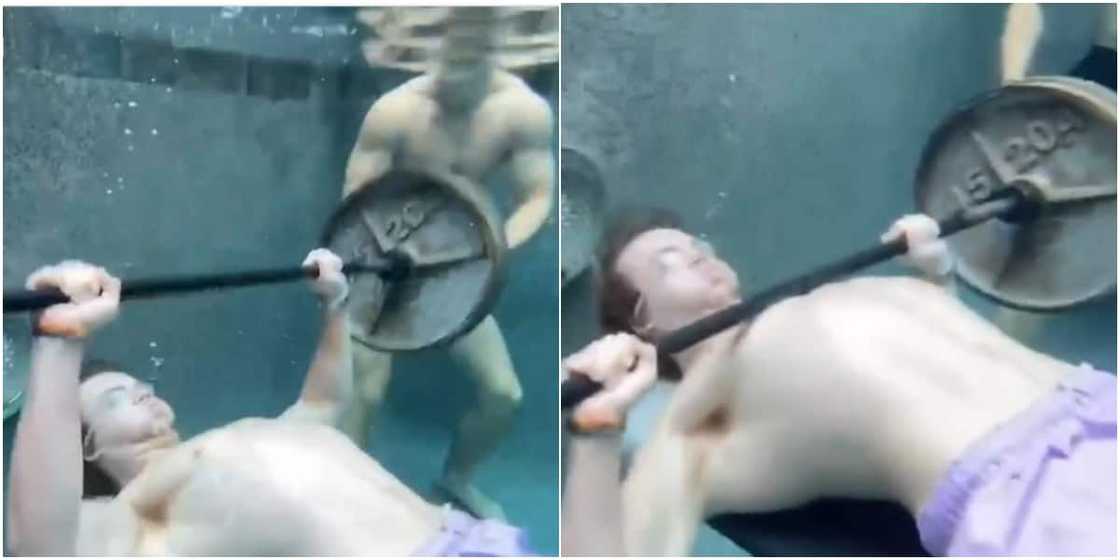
(592, 499)
(527, 219)
(46, 470)
(330, 379)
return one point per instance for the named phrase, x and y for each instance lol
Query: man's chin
(164, 434)
(724, 296)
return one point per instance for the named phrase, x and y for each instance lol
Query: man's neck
(462, 95)
(123, 463)
(714, 343)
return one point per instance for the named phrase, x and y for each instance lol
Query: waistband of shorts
(1085, 394)
(463, 535)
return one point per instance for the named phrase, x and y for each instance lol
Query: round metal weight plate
(451, 234)
(1042, 135)
(581, 212)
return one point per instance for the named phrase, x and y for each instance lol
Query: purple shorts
(463, 535)
(1044, 483)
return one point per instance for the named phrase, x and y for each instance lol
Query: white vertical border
(559, 282)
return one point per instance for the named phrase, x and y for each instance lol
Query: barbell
(424, 251)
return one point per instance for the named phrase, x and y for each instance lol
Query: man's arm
(663, 497)
(372, 155)
(532, 166)
(1021, 30)
(925, 251)
(46, 477)
(329, 384)
(46, 471)
(592, 501)
(656, 511)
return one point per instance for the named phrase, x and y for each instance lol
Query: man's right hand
(94, 298)
(625, 366)
(925, 250)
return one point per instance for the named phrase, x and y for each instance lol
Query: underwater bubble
(128, 131)
(9, 354)
(132, 104)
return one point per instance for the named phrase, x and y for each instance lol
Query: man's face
(467, 50)
(679, 278)
(120, 410)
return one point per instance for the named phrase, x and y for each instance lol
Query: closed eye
(112, 397)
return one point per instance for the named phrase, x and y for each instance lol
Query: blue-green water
(159, 141)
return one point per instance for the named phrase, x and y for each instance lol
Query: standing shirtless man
(467, 117)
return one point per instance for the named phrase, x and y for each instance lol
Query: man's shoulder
(512, 90)
(403, 99)
(529, 113)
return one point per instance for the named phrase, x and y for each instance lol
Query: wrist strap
(594, 428)
(38, 332)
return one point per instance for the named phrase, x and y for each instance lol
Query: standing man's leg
(484, 354)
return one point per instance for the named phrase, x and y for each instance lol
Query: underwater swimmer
(468, 117)
(293, 485)
(872, 388)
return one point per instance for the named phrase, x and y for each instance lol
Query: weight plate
(452, 235)
(581, 212)
(1045, 136)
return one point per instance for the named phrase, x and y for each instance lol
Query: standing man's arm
(1021, 31)
(372, 155)
(531, 166)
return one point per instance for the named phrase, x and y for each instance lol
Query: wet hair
(96, 483)
(617, 297)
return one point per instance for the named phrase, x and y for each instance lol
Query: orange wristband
(55, 329)
(596, 421)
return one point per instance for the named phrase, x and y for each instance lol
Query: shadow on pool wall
(789, 136)
(183, 140)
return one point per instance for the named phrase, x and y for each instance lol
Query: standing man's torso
(473, 143)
